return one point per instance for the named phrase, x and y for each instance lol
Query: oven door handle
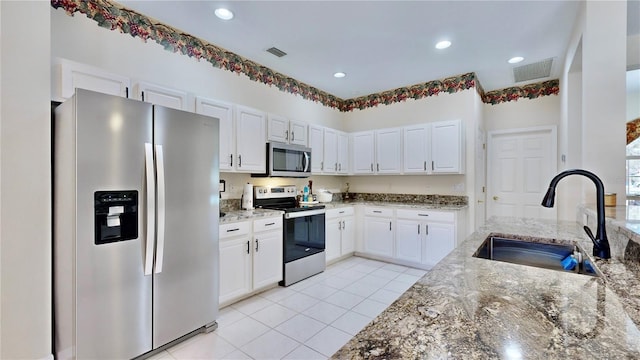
(299, 214)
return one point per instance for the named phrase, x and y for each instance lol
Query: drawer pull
(231, 230)
(423, 214)
(269, 224)
(341, 212)
(377, 211)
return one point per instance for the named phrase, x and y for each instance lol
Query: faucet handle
(590, 234)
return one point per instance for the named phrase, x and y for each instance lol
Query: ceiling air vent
(540, 69)
(277, 52)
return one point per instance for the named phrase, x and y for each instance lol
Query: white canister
(247, 197)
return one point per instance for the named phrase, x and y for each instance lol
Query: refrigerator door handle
(161, 209)
(150, 208)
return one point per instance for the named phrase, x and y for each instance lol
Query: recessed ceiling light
(515, 59)
(339, 75)
(443, 44)
(224, 14)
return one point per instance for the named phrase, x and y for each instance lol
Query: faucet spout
(600, 241)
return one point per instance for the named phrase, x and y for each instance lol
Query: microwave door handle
(306, 161)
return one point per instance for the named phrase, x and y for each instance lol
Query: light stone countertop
(241, 215)
(471, 308)
(339, 204)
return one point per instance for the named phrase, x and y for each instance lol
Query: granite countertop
(338, 204)
(471, 308)
(240, 215)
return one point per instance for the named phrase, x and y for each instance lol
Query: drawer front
(339, 212)
(427, 215)
(234, 229)
(267, 224)
(376, 211)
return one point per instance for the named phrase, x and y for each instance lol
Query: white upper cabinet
(72, 75)
(224, 112)
(417, 145)
(316, 143)
(389, 151)
(330, 157)
(447, 147)
(281, 129)
(160, 95)
(298, 132)
(343, 153)
(250, 140)
(363, 152)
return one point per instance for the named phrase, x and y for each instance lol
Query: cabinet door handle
(269, 224)
(426, 229)
(423, 214)
(341, 212)
(418, 229)
(232, 230)
(432, 165)
(339, 225)
(389, 225)
(336, 166)
(248, 247)
(286, 135)
(231, 162)
(257, 245)
(377, 167)
(371, 167)
(143, 96)
(293, 136)
(322, 165)
(340, 167)
(425, 165)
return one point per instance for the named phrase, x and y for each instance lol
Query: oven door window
(303, 236)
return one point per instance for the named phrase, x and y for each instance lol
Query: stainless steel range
(303, 232)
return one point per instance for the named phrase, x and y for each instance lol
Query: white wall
(523, 113)
(25, 176)
(633, 105)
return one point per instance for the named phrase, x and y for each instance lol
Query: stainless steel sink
(542, 253)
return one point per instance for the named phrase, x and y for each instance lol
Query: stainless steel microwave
(285, 160)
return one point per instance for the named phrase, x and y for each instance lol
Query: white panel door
(316, 143)
(224, 112)
(235, 268)
(388, 151)
(251, 142)
(409, 240)
(416, 149)
(278, 129)
(521, 164)
(76, 75)
(446, 147)
(160, 95)
(267, 258)
(363, 152)
(343, 153)
(440, 241)
(378, 236)
(330, 151)
(297, 133)
(333, 234)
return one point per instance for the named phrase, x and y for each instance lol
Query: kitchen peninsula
(472, 308)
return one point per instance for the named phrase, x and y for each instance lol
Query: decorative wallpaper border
(633, 130)
(113, 16)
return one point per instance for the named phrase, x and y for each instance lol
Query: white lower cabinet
(412, 237)
(250, 257)
(378, 231)
(339, 233)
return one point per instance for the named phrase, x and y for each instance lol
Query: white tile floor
(311, 319)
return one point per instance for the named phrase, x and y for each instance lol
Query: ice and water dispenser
(116, 216)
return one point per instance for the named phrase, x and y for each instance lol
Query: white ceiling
(382, 45)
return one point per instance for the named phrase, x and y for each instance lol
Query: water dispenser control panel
(116, 216)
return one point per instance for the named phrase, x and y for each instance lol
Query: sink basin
(541, 253)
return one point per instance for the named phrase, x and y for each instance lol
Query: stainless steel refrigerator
(136, 212)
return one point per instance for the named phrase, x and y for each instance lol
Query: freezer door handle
(150, 208)
(161, 209)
